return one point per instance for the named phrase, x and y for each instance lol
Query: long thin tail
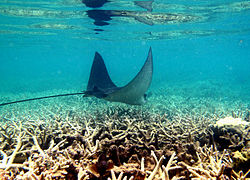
(45, 97)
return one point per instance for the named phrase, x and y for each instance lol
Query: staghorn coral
(117, 143)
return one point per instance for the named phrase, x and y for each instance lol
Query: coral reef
(122, 143)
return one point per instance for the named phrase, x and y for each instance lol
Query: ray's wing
(133, 92)
(99, 77)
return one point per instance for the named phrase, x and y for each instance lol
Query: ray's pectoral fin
(145, 4)
(134, 92)
(99, 77)
(99, 81)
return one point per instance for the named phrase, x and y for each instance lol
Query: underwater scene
(122, 89)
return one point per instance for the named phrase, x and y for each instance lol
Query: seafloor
(176, 135)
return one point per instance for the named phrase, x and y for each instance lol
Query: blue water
(50, 46)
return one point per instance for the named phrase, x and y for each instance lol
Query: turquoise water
(204, 60)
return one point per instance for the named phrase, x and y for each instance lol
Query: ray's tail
(44, 97)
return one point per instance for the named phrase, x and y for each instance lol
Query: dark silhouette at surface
(94, 3)
(100, 16)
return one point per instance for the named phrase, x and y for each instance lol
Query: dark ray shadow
(94, 3)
